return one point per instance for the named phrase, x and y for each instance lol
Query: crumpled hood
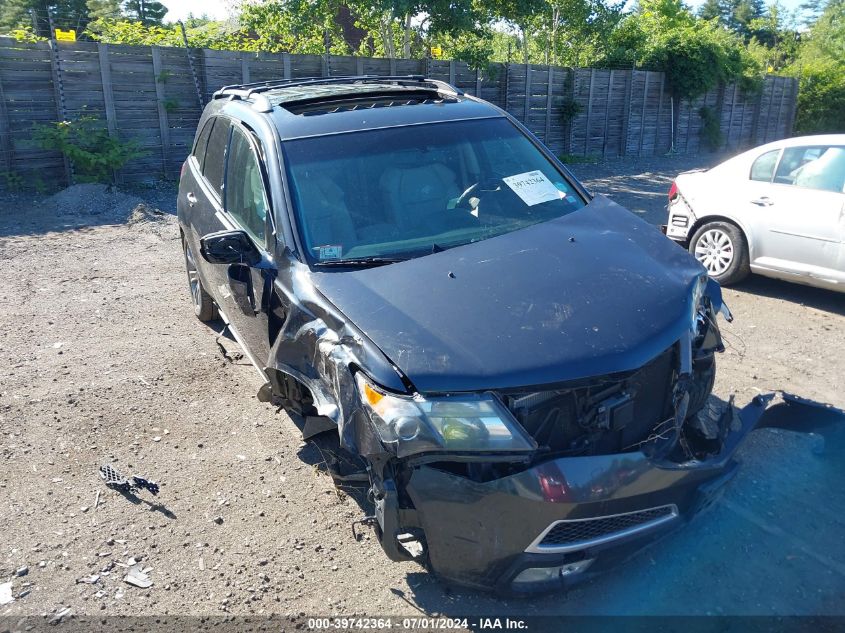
(594, 292)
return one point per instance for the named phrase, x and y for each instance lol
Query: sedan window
(409, 191)
(245, 196)
(820, 168)
(764, 167)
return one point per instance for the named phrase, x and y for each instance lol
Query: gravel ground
(103, 362)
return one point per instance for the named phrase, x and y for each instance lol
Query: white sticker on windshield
(533, 187)
(331, 251)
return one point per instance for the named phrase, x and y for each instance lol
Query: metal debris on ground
(60, 615)
(117, 481)
(22, 571)
(137, 577)
(89, 580)
(6, 593)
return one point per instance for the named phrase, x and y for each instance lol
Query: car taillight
(673, 191)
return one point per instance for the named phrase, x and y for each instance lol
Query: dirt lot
(103, 362)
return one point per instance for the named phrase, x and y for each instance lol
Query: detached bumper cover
(485, 534)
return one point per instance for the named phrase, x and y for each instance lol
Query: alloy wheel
(193, 276)
(715, 250)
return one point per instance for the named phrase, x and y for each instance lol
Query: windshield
(396, 193)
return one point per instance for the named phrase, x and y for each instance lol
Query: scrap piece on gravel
(89, 580)
(117, 481)
(137, 577)
(6, 593)
(60, 615)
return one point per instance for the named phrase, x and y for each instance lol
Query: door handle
(191, 198)
(762, 201)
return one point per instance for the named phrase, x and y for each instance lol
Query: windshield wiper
(361, 261)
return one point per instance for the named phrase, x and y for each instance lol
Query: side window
(793, 161)
(825, 172)
(202, 141)
(764, 167)
(246, 199)
(215, 154)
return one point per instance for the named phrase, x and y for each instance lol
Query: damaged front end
(525, 491)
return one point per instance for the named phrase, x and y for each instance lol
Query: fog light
(541, 575)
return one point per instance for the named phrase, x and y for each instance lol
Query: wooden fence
(155, 95)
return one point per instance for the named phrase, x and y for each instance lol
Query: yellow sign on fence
(66, 36)
(436, 52)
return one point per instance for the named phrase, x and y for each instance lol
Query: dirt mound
(92, 199)
(151, 220)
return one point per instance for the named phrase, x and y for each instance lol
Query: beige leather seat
(417, 197)
(324, 212)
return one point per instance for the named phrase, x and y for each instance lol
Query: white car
(777, 210)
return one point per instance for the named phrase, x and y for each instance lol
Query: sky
(220, 9)
(180, 9)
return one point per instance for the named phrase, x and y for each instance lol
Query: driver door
(245, 297)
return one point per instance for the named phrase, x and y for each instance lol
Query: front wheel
(722, 249)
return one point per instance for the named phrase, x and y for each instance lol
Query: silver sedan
(777, 210)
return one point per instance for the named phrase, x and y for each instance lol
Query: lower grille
(571, 535)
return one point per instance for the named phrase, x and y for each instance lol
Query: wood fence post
(163, 124)
(549, 106)
(392, 63)
(359, 65)
(244, 67)
(589, 112)
(659, 113)
(5, 132)
(642, 114)
(285, 65)
(526, 108)
(108, 94)
(626, 116)
(607, 113)
(59, 96)
(452, 72)
(731, 116)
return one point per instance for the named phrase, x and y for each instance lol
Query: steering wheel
(487, 185)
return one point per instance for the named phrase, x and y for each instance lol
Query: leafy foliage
(94, 154)
(820, 66)
(711, 133)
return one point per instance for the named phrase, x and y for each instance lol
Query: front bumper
(484, 535)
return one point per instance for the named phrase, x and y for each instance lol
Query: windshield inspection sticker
(533, 187)
(330, 252)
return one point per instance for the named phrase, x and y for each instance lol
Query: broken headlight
(465, 423)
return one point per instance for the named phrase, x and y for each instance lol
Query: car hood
(594, 292)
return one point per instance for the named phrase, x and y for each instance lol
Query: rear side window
(821, 168)
(215, 154)
(245, 196)
(202, 141)
(764, 167)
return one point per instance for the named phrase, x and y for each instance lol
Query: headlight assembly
(465, 423)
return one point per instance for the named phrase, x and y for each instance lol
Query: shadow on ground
(817, 298)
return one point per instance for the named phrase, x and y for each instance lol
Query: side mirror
(229, 247)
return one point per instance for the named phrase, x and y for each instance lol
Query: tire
(723, 250)
(703, 379)
(204, 306)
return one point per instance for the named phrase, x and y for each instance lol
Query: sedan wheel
(722, 249)
(716, 251)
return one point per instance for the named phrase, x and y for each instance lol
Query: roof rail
(261, 103)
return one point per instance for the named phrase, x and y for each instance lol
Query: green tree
(820, 67)
(145, 11)
(65, 14)
(103, 9)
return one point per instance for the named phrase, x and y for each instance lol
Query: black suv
(517, 366)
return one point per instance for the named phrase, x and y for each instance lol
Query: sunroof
(312, 108)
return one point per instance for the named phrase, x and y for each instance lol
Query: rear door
(204, 198)
(802, 213)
